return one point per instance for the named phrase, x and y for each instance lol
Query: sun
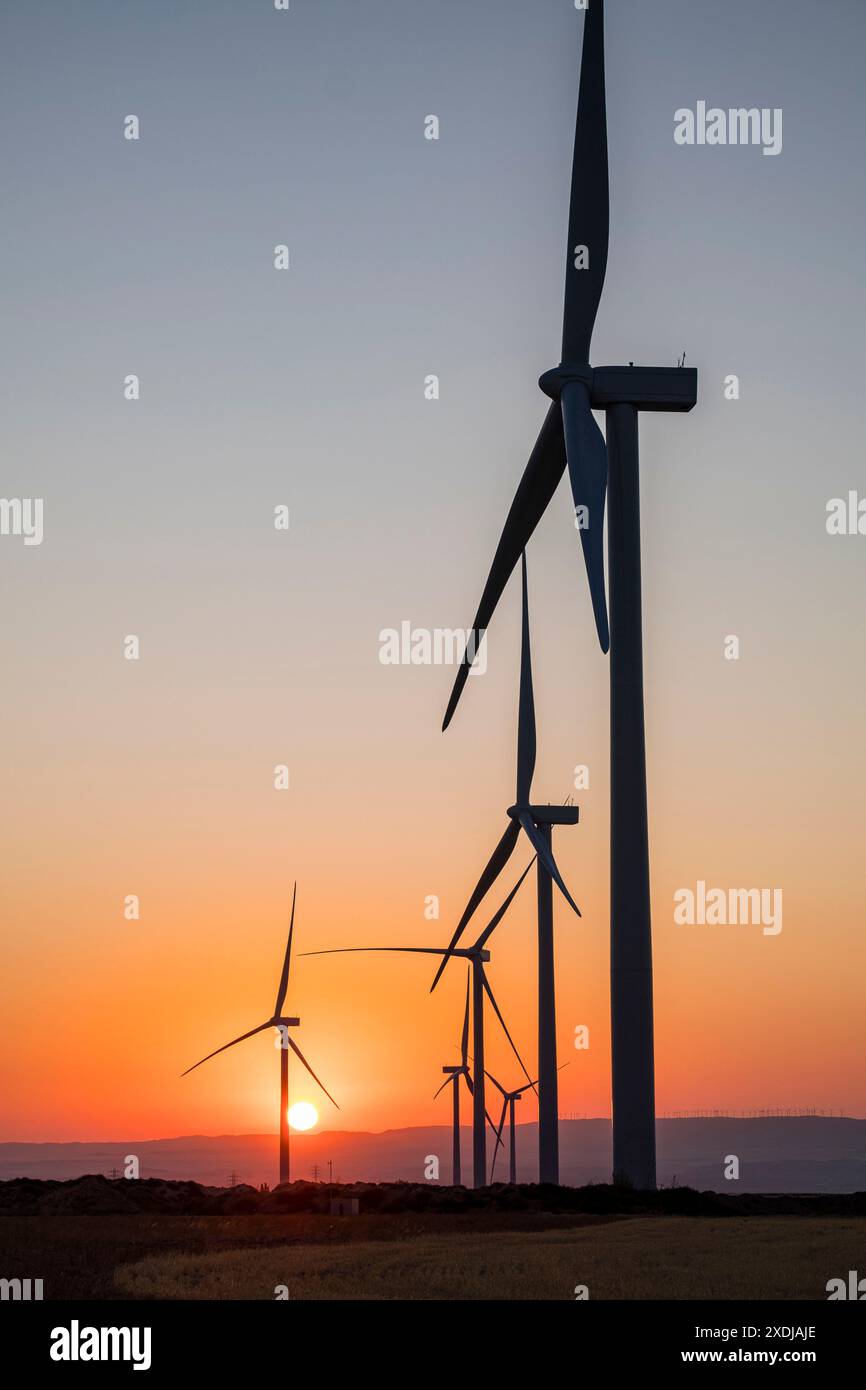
(303, 1115)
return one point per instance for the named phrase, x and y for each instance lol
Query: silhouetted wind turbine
(509, 1099)
(570, 437)
(277, 1020)
(477, 956)
(537, 822)
(453, 1080)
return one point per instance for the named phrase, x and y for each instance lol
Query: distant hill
(95, 1196)
(785, 1154)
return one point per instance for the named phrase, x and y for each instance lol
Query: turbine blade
(301, 1058)
(498, 1143)
(243, 1037)
(526, 741)
(471, 1088)
(496, 863)
(464, 1039)
(533, 1084)
(587, 470)
(349, 950)
(491, 1077)
(501, 1124)
(545, 854)
(284, 978)
(494, 922)
(539, 482)
(589, 211)
(446, 1082)
(489, 992)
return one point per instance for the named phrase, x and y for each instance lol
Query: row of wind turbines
(536, 822)
(598, 465)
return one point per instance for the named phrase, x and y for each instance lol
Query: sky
(305, 388)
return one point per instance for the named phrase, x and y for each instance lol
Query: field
(417, 1256)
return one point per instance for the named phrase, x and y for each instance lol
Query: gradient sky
(412, 257)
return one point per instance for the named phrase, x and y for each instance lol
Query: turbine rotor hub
(553, 381)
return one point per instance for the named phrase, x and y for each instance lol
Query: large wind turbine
(283, 1024)
(477, 956)
(570, 437)
(537, 822)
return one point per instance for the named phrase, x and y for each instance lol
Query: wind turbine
(537, 822)
(453, 1080)
(477, 955)
(277, 1020)
(509, 1099)
(571, 438)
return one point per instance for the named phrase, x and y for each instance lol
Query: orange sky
(306, 389)
(172, 800)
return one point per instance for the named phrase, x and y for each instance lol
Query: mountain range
(775, 1154)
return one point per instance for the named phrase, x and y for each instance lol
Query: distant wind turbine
(478, 957)
(509, 1098)
(537, 823)
(453, 1080)
(277, 1020)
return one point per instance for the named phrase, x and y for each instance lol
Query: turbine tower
(283, 1024)
(477, 956)
(537, 822)
(571, 438)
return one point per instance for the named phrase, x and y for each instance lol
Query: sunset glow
(156, 811)
(303, 1115)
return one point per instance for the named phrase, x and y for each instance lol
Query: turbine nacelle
(545, 815)
(646, 388)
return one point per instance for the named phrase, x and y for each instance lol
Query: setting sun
(303, 1115)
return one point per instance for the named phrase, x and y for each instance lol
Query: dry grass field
(77, 1256)
(648, 1257)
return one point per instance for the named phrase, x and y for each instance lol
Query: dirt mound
(94, 1195)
